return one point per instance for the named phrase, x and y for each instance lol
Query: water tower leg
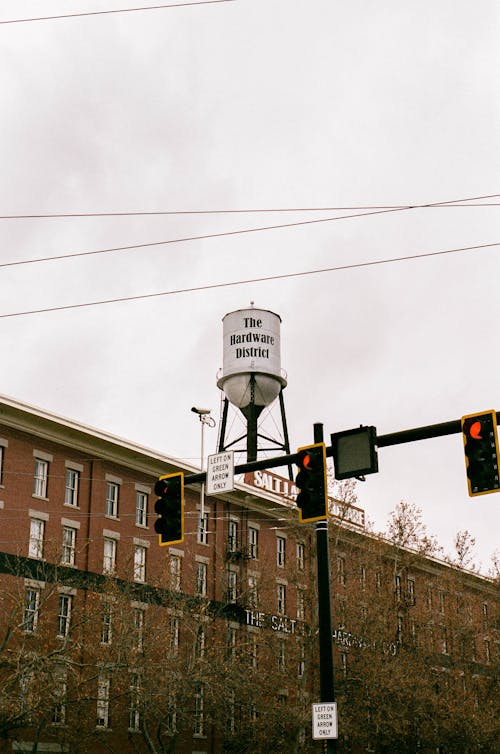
(286, 444)
(222, 434)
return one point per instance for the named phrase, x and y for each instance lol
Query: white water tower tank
(251, 371)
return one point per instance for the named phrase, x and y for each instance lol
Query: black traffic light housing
(312, 500)
(170, 508)
(479, 432)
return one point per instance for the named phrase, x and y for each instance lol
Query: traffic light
(479, 432)
(170, 508)
(312, 499)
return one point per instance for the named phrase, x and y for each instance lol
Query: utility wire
(259, 210)
(241, 231)
(107, 12)
(251, 280)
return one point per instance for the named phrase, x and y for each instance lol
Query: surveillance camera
(200, 411)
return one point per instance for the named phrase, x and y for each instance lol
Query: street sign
(324, 723)
(220, 472)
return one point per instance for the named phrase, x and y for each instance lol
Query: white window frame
(232, 535)
(31, 609)
(103, 694)
(281, 599)
(253, 542)
(301, 556)
(175, 568)
(37, 536)
(139, 618)
(109, 557)
(72, 485)
(232, 585)
(201, 578)
(64, 615)
(68, 551)
(107, 624)
(140, 563)
(280, 551)
(202, 534)
(134, 721)
(40, 478)
(141, 508)
(112, 499)
(3, 444)
(199, 712)
(59, 694)
(174, 629)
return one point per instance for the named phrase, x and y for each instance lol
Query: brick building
(111, 643)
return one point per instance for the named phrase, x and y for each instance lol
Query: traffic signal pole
(326, 672)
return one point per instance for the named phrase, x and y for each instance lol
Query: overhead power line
(108, 12)
(451, 203)
(266, 278)
(222, 234)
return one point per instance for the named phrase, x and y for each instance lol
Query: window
(71, 490)
(410, 587)
(200, 643)
(203, 528)
(31, 606)
(175, 572)
(68, 545)
(281, 594)
(444, 640)
(253, 591)
(231, 643)
(141, 508)
(281, 655)
(301, 605)
(301, 556)
(301, 662)
(343, 664)
(106, 627)
(397, 587)
(485, 616)
(174, 635)
(134, 711)
(59, 696)
(103, 689)
(341, 570)
(139, 615)
(232, 535)
(199, 715)
(201, 579)
(37, 530)
(2, 452)
(109, 559)
(40, 478)
(487, 651)
(442, 602)
(254, 652)
(378, 581)
(399, 629)
(362, 577)
(253, 542)
(232, 582)
(64, 615)
(280, 551)
(139, 563)
(112, 491)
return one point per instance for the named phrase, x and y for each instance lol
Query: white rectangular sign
(220, 472)
(324, 724)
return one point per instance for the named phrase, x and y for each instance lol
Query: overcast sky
(259, 104)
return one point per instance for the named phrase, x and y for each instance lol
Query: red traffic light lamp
(479, 433)
(312, 500)
(170, 508)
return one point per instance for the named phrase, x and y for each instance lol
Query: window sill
(40, 497)
(140, 526)
(113, 518)
(73, 507)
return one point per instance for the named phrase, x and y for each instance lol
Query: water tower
(251, 377)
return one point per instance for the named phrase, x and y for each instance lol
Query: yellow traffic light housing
(479, 433)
